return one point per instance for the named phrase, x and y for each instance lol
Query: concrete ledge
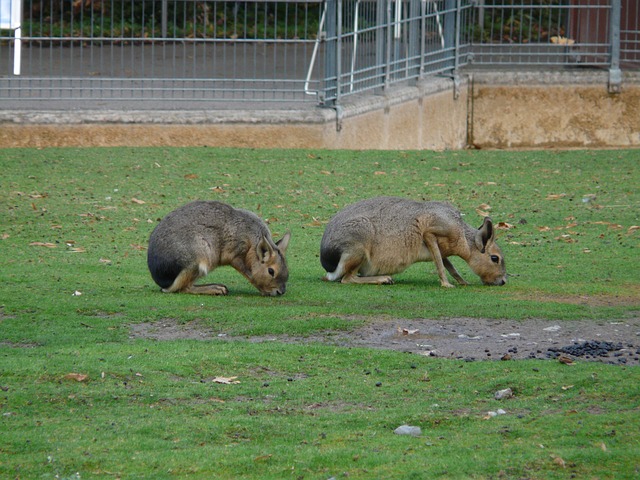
(494, 109)
(361, 122)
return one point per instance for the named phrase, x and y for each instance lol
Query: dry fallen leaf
(566, 239)
(544, 229)
(263, 458)
(558, 461)
(484, 206)
(482, 213)
(43, 244)
(78, 377)
(5, 236)
(408, 331)
(504, 226)
(226, 380)
(139, 202)
(558, 40)
(632, 229)
(190, 176)
(315, 223)
(379, 173)
(566, 360)
(552, 196)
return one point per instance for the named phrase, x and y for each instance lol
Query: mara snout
(201, 236)
(371, 240)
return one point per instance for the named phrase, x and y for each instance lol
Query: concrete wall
(491, 110)
(561, 110)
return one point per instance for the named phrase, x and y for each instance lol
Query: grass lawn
(81, 398)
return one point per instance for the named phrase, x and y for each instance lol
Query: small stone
(503, 394)
(408, 430)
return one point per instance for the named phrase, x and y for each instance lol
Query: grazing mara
(198, 237)
(371, 240)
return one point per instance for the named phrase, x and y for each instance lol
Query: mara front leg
(432, 244)
(454, 273)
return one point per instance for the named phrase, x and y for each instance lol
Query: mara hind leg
(184, 283)
(207, 289)
(351, 265)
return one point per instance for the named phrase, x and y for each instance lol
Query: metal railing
(178, 53)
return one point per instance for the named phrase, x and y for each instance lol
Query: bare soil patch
(611, 341)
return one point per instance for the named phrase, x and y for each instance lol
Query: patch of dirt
(611, 341)
(603, 300)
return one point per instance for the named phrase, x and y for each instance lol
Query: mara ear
(264, 250)
(485, 234)
(283, 243)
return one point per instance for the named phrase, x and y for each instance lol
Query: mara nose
(502, 282)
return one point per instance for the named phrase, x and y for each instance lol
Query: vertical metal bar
(389, 23)
(355, 44)
(339, 52)
(330, 53)
(449, 33)
(423, 34)
(458, 28)
(380, 43)
(165, 14)
(414, 38)
(615, 75)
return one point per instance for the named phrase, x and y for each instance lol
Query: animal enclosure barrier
(218, 54)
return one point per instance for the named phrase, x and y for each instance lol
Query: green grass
(149, 409)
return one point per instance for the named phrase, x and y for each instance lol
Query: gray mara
(371, 240)
(200, 236)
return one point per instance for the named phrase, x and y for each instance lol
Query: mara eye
(495, 258)
(272, 272)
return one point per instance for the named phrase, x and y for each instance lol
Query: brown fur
(198, 237)
(371, 240)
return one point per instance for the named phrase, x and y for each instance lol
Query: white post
(11, 19)
(17, 50)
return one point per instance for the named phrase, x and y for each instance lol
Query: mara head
(486, 258)
(269, 272)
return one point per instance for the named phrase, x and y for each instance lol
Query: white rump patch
(203, 269)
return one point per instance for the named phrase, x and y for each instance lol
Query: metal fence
(195, 52)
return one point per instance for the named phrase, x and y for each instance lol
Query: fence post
(452, 41)
(381, 42)
(329, 95)
(414, 39)
(615, 74)
(164, 14)
(389, 25)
